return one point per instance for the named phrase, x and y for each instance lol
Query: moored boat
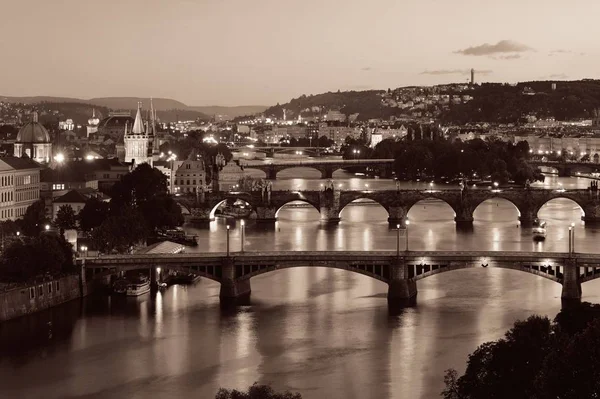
(539, 230)
(138, 288)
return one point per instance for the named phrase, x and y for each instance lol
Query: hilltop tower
(472, 76)
(138, 143)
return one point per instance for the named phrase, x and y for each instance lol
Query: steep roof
(20, 163)
(72, 196)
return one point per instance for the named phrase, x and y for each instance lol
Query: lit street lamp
(228, 241)
(47, 227)
(398, 241)
(407, 223)
(572, 237)
(243, 224)
(84, 250)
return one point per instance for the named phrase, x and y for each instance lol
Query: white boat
(139, 288)
(539, 231)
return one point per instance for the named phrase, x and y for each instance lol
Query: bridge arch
(295, 201)
(377, 272)
(213, 209)
(546, 204)
(278, 170)
(423, 201)
(478, 206)
(362, 197)
(540, 271)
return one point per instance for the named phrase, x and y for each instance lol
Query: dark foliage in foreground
(536, 359)
(27, 258)
(256, 391)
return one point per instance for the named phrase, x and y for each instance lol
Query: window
(40, 291)
(194, 181)
(57, 286)
(27, 179)
(49, 288)
(31, 293)
(58, 187)
(188, 182)
(106, 176)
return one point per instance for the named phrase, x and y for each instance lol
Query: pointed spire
(138, 125)
(126, 127)
(35, 116)
(93, 112)
(152, 119)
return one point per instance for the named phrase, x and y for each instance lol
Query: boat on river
(178, 236)
(539, 230)
(138, 287)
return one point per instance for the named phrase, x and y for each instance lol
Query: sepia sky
(249, 52)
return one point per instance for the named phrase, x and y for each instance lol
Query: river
(321, 332)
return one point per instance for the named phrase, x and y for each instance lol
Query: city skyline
(237, 53)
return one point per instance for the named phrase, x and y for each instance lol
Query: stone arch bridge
(397, 203)
(326, 167)
(400, 270)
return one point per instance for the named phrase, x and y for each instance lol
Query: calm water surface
(325, 333)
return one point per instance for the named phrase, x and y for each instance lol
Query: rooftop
(72, 196)
(18, 163)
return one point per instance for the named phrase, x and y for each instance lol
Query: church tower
(137, 141)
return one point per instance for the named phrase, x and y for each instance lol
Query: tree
(145, 189)
(34, 219)
(256, 391)
(119, 233)
(536, 359)
(93, 214)
(65, 218)
(29, 257)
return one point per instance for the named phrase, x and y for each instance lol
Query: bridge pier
(564, 172)
(271, 174)
(402, 291)
(234, 291)
(571, 286)
(326, 173)
(396, 216)
(265, 215)
(198, 217)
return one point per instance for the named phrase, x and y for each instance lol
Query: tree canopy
(256, 391)
(65, 218)
(93, 214)
(536, 359)
(27, 258)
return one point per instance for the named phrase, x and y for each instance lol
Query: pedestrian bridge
(399, 269)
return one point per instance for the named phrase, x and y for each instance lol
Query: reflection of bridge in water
(399, 269)
(330, 203)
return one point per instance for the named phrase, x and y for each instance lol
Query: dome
(33, 132)
(93, 121)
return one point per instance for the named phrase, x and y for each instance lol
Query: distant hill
(492, 102)
(232, 112)
(171, 109)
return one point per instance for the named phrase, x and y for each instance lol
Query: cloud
(366, 69)
(508, 57)
(455, 72)
(559, 76)
(561, 51)
(503, 46)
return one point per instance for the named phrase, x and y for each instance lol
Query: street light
(570, 237)
(496, 184)
(84, 250)
(243, 224)
(18, 233)
(407, 223)
(47, 227)
(573, 238)
(398, 241)
(228, 241)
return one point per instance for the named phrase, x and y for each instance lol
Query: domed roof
(33, 132)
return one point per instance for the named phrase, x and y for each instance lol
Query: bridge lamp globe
(398, 226)
(407, 222)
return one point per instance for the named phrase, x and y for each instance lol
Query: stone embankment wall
(26, 299)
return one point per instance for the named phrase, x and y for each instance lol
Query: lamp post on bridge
(228, 241)
(572, 237)
(242, 225)
(398, 241)
(407, 223)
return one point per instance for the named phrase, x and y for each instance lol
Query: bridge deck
(299, 256)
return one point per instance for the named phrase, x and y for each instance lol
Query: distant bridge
(399, 269)
(567, 169)
(397, 203)
(326, 167)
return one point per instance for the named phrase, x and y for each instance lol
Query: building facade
(189, 176)
(19, 186)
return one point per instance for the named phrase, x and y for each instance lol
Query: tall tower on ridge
(472, 76)
(138, 147)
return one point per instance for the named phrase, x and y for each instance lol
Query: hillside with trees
(491, 102)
